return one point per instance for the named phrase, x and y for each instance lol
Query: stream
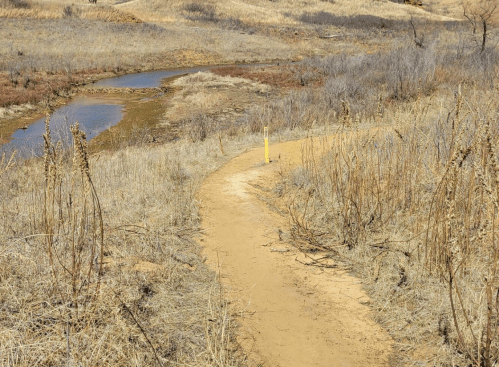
(93, 114)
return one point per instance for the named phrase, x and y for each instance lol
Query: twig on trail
(279, 250)
(317, 263)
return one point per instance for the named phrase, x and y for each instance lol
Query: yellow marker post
(266, 137)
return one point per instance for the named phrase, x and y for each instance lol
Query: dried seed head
(379, 108)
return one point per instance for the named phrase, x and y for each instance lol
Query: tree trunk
(484, 36)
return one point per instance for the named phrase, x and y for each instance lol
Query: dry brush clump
(411, 207)
(461, 242)
(342, 89)
(98, 265)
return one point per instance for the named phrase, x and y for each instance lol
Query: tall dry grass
(367, 201)
(98, 264)
(411, 207)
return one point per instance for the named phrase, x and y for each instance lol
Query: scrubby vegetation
(405, 193)
(47, 48)
(98, 263)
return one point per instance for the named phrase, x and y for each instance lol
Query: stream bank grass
(46, 45)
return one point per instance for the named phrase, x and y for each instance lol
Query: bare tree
(418, 40)
(482, 16)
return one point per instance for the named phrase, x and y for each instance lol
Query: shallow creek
(94, 114)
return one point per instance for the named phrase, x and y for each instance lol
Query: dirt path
(292, 314)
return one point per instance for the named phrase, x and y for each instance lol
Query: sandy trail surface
(291, 314)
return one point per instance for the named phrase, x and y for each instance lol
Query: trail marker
(266, 137)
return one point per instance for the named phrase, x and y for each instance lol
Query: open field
(99, 263)
(48, 47)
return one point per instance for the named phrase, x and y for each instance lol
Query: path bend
(294, 315)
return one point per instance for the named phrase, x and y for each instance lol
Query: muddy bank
(18, 117)
(22, 103)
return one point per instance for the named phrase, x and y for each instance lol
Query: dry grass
(45, 55)
(139, 295)
(204, 93)
(42, 41)
(206, 104)
(21, 87)
(405, 194)
(57, 11)
(142, 294)
(265, 12)
(409, 206)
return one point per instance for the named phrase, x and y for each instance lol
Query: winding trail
(292, 314)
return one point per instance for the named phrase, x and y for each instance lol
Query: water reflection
(150, 79)
(94, 116)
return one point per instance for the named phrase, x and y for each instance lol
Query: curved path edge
(290, 314)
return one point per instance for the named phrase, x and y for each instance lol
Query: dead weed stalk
(73, 229)
(414, 201)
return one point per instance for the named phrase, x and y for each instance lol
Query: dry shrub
(354, 21)
(412, 209)
(199, 11)
(197, 128)
(73, 233)
(461, 242)
(353, 88)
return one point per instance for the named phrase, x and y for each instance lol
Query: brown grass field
(98, 260)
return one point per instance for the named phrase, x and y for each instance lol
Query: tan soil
(290, 314)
